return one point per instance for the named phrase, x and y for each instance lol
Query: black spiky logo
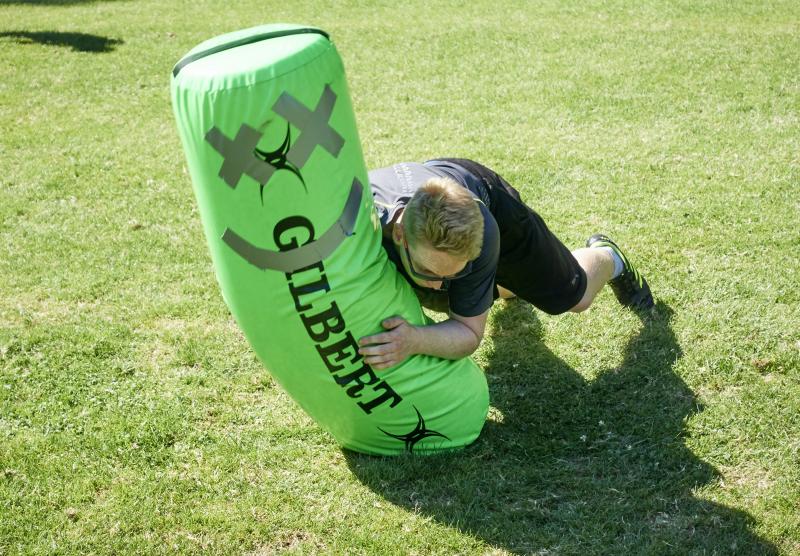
(278, 160)
(419, 433)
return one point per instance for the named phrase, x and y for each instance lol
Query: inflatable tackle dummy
(270, 139)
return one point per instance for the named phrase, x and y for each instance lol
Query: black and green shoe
(630, 287)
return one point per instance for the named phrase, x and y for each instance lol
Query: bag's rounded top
(259, 53)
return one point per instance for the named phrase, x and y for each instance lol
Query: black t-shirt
(393, 187)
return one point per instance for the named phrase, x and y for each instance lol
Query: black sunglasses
(432, 277)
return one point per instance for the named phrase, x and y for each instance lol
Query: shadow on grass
(80, 42)
(573, 466)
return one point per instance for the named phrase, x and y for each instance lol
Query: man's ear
(398, 232)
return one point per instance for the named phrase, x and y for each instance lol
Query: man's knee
(582, 305)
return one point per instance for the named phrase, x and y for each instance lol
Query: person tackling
(462, 237)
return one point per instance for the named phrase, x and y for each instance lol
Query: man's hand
(389, 348)
(453, 338)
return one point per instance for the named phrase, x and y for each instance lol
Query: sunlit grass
(134, 418)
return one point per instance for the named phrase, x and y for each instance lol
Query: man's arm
(453, 338)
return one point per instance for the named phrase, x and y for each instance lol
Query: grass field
(134, 418)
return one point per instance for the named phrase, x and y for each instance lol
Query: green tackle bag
(270, 138)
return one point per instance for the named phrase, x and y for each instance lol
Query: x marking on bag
(239, 153)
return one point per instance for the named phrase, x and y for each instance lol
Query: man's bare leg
(506, 294)
(599, 267)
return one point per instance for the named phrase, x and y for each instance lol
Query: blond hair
(447, 217)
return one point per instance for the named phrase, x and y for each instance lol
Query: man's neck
(388, 229)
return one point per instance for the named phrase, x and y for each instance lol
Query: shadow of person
(569, 465)
(79, 42)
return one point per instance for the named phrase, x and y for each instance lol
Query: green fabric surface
(303, 324)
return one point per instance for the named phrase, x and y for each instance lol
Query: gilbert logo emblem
(278, 159)
(419, 433)
(241, 155)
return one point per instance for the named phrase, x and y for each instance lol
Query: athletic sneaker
(630, 287)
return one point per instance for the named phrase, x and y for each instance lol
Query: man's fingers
(379, 349)
(384, 337)
(392, 322)
(381, 338)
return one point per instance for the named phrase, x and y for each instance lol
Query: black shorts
(533, 263)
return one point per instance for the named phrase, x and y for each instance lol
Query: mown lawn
(134, 418)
